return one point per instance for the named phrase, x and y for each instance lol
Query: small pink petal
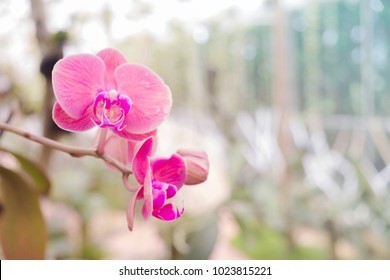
(147, 208)
(151, 98)
(123, 152)
(76, 81)
(159, 198)
(134, 143)
(167, 213)
(158, 185)
(140, 194)
(131, 145)
(117, 148)
(136, 137)
(66, 122)
(112, 59)
(141, 160)
(170, 170)
(130, 211)
(171, 190)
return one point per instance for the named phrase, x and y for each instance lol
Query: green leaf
(22, 228)
(40, 182)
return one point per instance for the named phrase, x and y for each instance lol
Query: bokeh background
(290, 99)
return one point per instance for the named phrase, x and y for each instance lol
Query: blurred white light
(357, 34)
(122, 27)
(379, 55)
(330, 38)
(200, 34)
(376, 5)
(248, 52)
(93, 36)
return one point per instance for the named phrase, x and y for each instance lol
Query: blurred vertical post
(51, 49)
(282, 103)
(197, 77)
(39, 17)
(330, 53)
(367, 75)
(312, 67)
(367, 102)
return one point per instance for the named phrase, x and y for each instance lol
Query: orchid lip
(110, 109)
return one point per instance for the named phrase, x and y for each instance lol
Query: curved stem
(71, 150)
(125, 179)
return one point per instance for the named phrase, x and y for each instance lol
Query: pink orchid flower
(160, 179)
(104, 90)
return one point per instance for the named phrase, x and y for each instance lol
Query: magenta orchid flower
(160, 180)
(128, 101)
(104, 90)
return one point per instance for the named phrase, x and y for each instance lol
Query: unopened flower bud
(197, 165)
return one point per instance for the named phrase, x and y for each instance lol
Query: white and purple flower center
(110, 109)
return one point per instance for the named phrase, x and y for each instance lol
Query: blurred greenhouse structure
(288, 98)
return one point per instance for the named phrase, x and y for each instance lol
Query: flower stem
(125, 179)
(71, 150)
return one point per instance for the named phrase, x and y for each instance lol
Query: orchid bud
(197, 165)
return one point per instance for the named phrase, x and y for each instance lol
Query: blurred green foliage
(260, 242)
(22, 227)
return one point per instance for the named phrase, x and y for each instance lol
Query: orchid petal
(159, 198)
(151, 98)
(66, 122)
(170, 170)
(141, 161)
(131, 210)
(112, 59)
(147, 208)
(76, 80)
(140, 194)
(131, 145)
(167, 213)
(136, 137)
(171, 190)
(117, 148)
